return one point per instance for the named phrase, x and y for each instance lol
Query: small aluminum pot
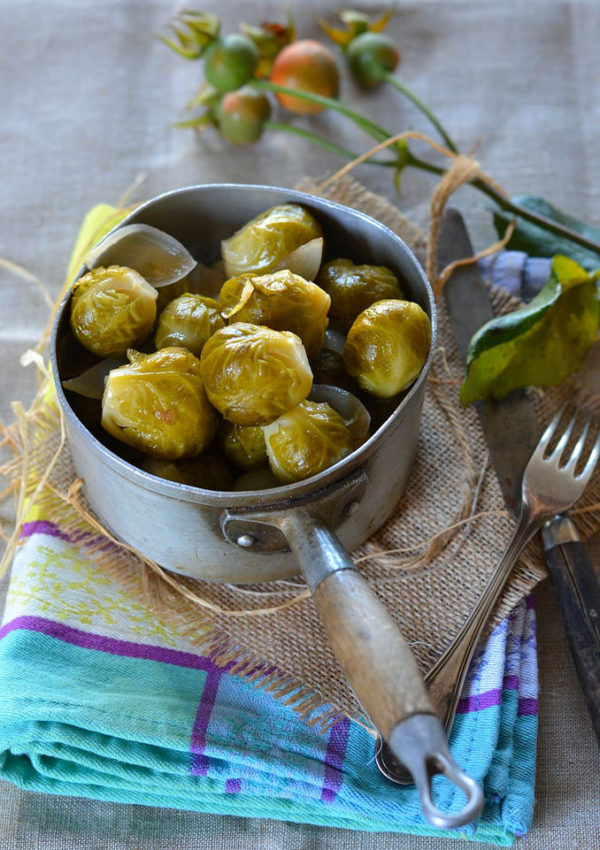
(306, 526)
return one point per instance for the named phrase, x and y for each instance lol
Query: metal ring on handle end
(422, 742)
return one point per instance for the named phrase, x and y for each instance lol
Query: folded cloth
(516, 272)
(100, 698)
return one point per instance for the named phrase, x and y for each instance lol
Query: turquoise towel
(99, 698)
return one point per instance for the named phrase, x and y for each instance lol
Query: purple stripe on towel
(199, 762)
(488, 699)
(51, 529)
(528, 706)
(334, 759)
(233, 786)
(113, 646)
(42, 526)
(477, 702)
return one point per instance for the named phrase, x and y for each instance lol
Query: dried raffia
(428, 562)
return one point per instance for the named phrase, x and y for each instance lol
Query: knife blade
(511, 433)
(469, 307)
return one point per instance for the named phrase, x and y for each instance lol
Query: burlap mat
(428, 563)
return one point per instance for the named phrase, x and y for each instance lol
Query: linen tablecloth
(89, 97)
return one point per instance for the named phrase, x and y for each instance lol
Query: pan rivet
(246, 541)
(351, 508)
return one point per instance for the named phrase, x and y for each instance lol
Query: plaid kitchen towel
(101, 698)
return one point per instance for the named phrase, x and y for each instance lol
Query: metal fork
(551, 485)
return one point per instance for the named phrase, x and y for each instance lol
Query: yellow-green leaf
(540, 344)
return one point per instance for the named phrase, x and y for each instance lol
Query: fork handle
(447, 676)
(577, 585)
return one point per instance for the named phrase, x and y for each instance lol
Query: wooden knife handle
(577, 584)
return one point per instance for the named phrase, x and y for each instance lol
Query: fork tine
(550, 430)
(586, 472)
(564, 439)
(578, 448)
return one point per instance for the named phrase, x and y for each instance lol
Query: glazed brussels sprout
(166, 294)
(208, 471)
(112, 309)
(157, 404)
(188, 321)
(355, 415)
(306, 440)
(387, 346)
(281, 300)
(253, 374)
(328, 367)
(265, 241)
(353, 288)
(256, 479)
(244, 445)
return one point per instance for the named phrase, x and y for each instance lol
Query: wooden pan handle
(378, 664)
(367, 643)
(371, 650)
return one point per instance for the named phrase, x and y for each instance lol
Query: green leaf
(535, 240)
(540, 344)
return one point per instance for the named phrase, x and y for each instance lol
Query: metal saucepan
(309, 525)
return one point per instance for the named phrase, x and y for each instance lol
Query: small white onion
(157, 256)
(355, 415)
(91, 382)
(305, 260)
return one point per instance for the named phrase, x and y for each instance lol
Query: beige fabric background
(88, 95)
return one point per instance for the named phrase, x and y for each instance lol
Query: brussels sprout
(208, 471)
(253, 374)
(328, 367)
(157, 404)
(112, 309)
(306, 440)
(353, 288)
(244, 445)
(280, 300)
(188, 321)
(166, 294)
(354, 414)
(265, 241)
(256, 479)
(387, 346)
